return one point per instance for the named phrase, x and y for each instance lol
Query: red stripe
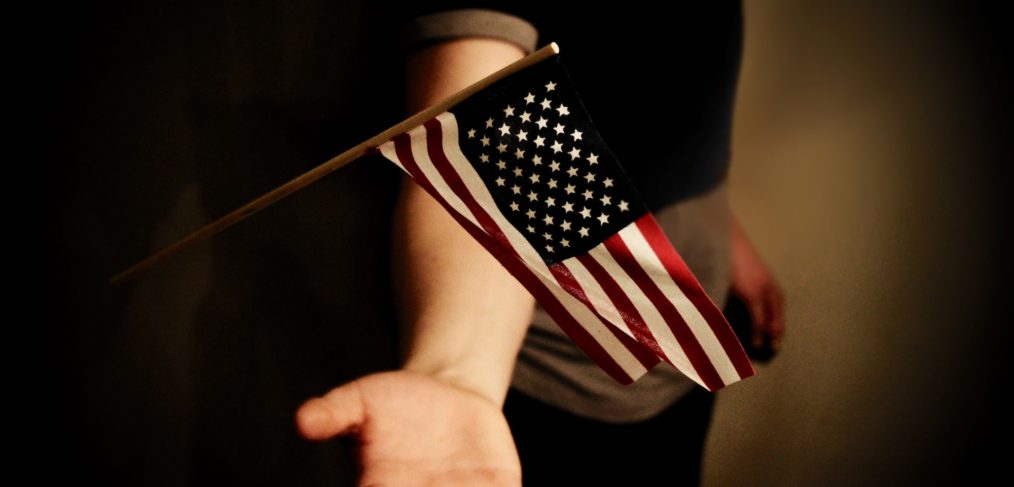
(435, 149)
(648, 357)
(681, 275)
(705, 369)
(509, 259)
(623, 304)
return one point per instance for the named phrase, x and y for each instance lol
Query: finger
(776, 303)
(758, 321)
(339, 412)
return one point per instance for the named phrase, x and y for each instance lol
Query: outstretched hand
(414, 430)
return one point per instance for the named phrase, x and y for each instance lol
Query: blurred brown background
(871, 167)
(868, 166)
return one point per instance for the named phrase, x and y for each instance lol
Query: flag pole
(326, 168)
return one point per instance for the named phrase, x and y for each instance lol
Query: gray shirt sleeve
(452, 24)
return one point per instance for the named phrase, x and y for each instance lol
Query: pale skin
(438, 420)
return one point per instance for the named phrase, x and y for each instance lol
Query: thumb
(338, 412)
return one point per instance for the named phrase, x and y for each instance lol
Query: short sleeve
(457, 23)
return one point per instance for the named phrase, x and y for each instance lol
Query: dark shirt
(660, 87)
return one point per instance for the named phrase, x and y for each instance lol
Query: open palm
(413, 430)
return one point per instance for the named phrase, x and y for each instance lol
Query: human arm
(438, 419)
(466, 315)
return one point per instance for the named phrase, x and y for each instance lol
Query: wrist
(462, 375)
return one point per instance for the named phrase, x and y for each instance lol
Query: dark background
(142, 120)
(161, 115)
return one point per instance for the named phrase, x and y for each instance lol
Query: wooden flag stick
(326, 168)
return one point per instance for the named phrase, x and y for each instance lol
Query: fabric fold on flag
(520, 166)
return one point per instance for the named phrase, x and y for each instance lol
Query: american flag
(521, 167)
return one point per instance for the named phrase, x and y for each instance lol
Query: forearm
(464, 317)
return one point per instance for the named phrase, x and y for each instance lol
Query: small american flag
(521, 167)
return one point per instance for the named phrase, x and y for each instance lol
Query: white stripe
(417, 136)
(649, 313)
(651, 264)
(596, 294)
(388, 150)
(613, 346)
